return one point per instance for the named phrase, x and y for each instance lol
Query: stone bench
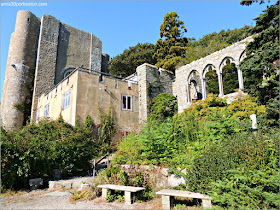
(129, 192)
(168, 197)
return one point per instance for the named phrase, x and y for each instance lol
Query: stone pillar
(189, 100)
(203, 86)
(147, 74)
(240, 78)
(220, 80)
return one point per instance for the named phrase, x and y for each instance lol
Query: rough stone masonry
(51, 48)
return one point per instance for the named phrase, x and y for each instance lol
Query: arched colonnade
(190, 82)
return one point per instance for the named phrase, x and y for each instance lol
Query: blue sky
(121, 24)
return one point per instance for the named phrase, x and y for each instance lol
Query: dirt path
(43, 199)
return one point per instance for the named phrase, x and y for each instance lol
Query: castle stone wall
(20, 64)
(46, 58)
(151, 82)
(61, 49)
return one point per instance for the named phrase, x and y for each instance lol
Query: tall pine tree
(171, 46)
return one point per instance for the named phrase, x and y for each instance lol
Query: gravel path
(43, 199)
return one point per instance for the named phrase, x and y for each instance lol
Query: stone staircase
(80, 182)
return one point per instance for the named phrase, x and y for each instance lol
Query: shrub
(253, 189)
(258, 152)
(163, 106)
(36, 150)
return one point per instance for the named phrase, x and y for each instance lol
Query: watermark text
(24, 4)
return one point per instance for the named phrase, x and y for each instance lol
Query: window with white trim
(126, 102)
(66, 99)
(46, 110)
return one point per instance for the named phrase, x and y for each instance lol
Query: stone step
(76, 183)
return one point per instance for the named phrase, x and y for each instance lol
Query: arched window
(211, 77)
(230, 78)
(67, 71)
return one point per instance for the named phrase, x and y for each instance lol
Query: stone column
(220, 80)
(203, 87)
(189, 100)
(240, 78)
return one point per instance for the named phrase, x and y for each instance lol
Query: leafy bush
(210, 139)
(177, 141)
(36, 150)
(243, 188)
(260, 152)
(163, 106)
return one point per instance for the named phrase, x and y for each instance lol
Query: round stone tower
(20, 68)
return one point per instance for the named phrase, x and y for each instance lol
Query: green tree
(126, 63)
(171, 46)
(230, 79)
(261, 66)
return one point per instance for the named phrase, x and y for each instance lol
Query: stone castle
(68, 73)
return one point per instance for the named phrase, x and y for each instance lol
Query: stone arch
(66, 71)
(242, 56)
(222, 63)
(210, 81)
(206, 69)
(194, 86)
(229, 75)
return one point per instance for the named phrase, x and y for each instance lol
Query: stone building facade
(71, 76)
(82, 93)
(53, 50)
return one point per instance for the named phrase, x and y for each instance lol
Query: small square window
(126, 102)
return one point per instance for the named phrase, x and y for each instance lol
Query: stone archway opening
(194, 91)
(211, 80)
(230, 77)
(194, 87)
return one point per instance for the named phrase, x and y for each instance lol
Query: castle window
(126, 102)
(67, 72)
(129, 85)
(66, 99)
(46, 110)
